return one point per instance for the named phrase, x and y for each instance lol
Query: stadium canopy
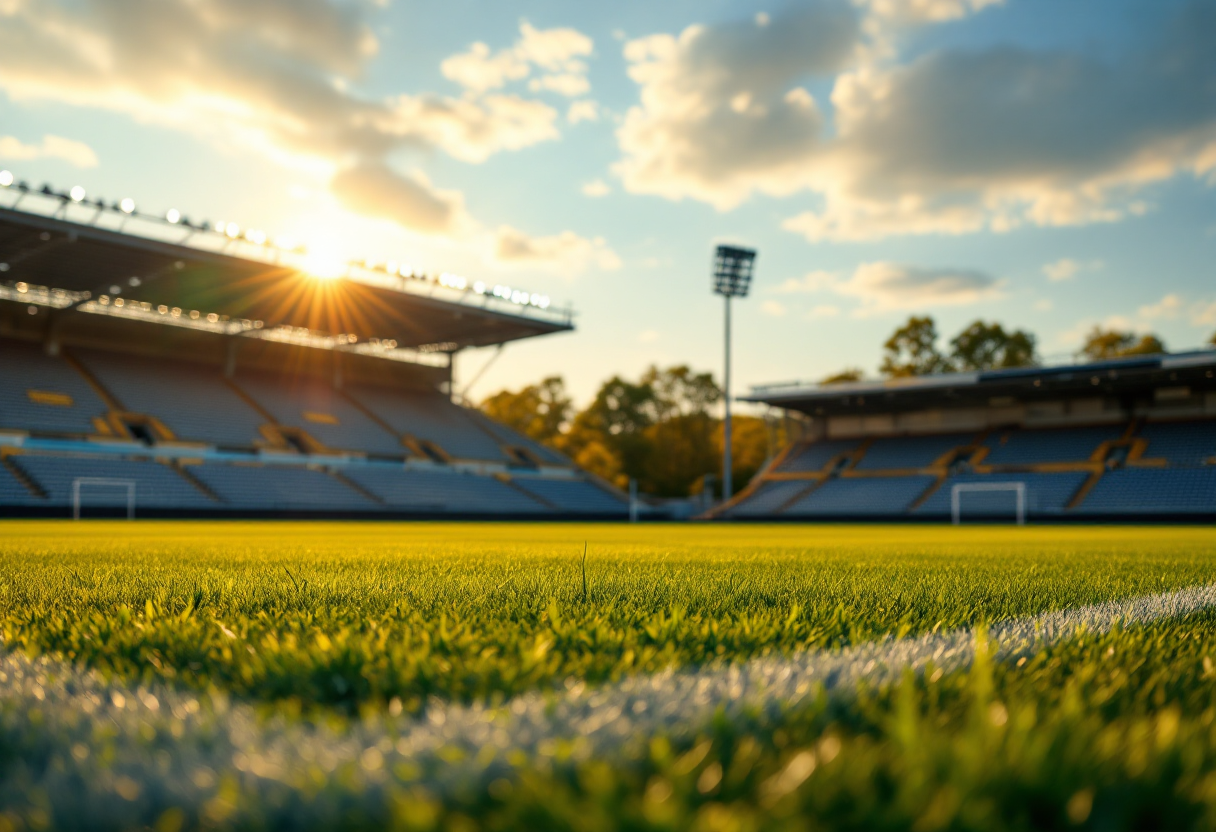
(1153, 376)
(75, 256)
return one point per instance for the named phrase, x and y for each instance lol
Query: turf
(318, 622)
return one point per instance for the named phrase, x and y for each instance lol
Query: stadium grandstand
(172, 368)
(1122, 440)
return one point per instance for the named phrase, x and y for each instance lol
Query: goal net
(109, 487)
(1016, 503)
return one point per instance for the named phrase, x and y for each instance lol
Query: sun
(323, 261)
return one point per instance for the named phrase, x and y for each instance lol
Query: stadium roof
(1131, 377)
(74, 255)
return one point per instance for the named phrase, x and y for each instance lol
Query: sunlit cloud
(566, 254)
(73, 152)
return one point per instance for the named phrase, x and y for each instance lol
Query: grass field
(351, 635)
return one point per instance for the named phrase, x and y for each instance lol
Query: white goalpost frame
(1019, 488)
(106, 483)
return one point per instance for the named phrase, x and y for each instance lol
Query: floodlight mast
(732, 279)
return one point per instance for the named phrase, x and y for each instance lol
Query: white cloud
(1067, 268)
(721, 112)
(927, 11)
(566, 253)
(554, 50)
(73, 152)
(881, 287)
(773, 309)
(815, 281)
(569, 84)
(954, 141)
(585, 110)
(1204, 313)
(1044, 305)
(823, 310)
(596, 188)
(276, 76)
(1168, 307)
(648, 336)
(375, 190)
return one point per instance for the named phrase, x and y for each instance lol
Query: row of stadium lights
(234, 232)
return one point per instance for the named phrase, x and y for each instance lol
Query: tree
(844, 376)
(539, 411)
(983, 346)
(912, 350)
(1212, 340)
(680, 391)
(1102, 344)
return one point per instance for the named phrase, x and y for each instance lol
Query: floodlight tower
(732, 279)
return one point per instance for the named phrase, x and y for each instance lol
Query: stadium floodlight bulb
(733, 271)
(173, 215)
(127, 206)
(77, 193)
(232, 230)
(6, 178)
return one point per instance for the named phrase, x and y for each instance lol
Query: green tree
(1102, 344)
(912, 350)
(983, 346)
(539, 411)
(845, 376)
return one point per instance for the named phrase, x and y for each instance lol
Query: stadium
(351, 524)
(195, 371)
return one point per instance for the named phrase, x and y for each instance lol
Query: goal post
(957, 491)
(81, 483)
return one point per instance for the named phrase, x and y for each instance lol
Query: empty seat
(815, 455)
(192, 400)
(1181, 443)
(44, 394)
(768, 499)
(1039, 445)
(862, 497)
(910, 451)
(280, 488)
(14, 493)
(507, 436)
(1137, 491)
(1046, 494)
(574, 496)
(321, 411)
(156, 485)
(430, 417)
(443, 491)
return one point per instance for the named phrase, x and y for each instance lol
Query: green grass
(323, 621)
(347, 614)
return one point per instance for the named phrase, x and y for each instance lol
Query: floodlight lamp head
(733, 271)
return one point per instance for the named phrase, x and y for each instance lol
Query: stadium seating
(1181, 443)
(156, 485)
(769, 498)
(1141, 491)
(321, 411)
(574, 496)
(280, 488)
(431, 418)
(44, 394)
(813, 456)
(1046, 494)
(862, 497)
(191, 400)
(1044, 445)
(14, 493)
(509, 437)
(910, 451)
(443, 491)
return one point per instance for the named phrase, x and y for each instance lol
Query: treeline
(658, 430)
(912, 350)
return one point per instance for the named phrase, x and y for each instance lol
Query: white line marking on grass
(71, 734)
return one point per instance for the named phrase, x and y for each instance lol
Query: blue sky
(1046, 163)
